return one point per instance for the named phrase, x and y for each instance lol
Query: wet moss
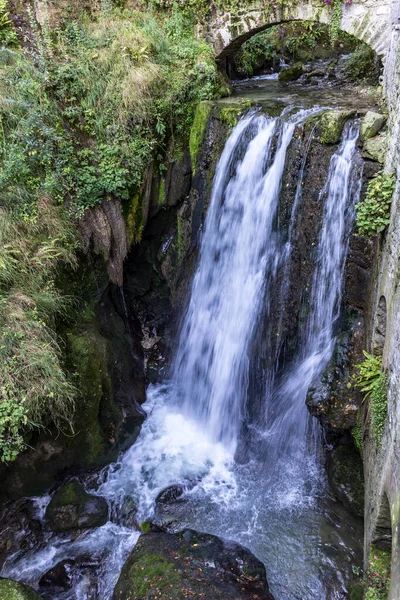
(198, 130)
(154, 573)
(13, 590)
(332, 123)
(229, 114)
(89, 352)
(133, 217)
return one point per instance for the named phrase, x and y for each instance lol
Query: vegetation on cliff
(86, 106)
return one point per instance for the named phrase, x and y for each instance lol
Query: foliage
(372, 382)
(361, 63)
(256, 50)
(378, 575)
(373, 213)
(82, 115)
(336, 17)
(35, 389)
(8, 36)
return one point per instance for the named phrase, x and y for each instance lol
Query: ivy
(373, 213)
(372, 382)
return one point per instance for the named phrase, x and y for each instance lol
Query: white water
(272, 504)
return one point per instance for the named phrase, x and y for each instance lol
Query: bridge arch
(370, 21)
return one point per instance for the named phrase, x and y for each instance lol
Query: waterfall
(240, 253)
(274, 503)
(294, 432)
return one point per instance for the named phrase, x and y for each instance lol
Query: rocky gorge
(117, 509)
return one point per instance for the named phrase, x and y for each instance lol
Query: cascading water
(273, 504)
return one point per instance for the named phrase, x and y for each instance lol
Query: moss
(152, 573)
(357, 433)
(198, 130)
(70, 493)
(378, 575)
(230, 114)
(145, 527)
(332, 123)
(13, 590)
(133, 216)
(161, 192)
(88, 353)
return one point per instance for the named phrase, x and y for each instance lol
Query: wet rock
(13, 590)
(332, 123)
(371, 124)
(170, 494)
(375, 148)
(73, 508)
(291, 73)
(59, 577)
(346, 479)
(191, 565)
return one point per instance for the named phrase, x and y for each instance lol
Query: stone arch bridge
(371, 21)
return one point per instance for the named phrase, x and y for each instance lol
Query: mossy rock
(14, 590)
(198, 129)
(346, 477)
(190, 565)
(291, 73)
(230, 113)
(73, 508)
(332, 123)
(371, 124)
(375, 148)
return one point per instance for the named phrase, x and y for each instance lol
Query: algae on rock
(332, 123)
(14, 590)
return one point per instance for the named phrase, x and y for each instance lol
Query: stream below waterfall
(255, 476)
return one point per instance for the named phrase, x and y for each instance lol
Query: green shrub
(361, 64)
(372, 382)
(373, 213)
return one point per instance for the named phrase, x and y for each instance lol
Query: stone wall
(382, 465)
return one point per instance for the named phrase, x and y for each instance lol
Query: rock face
(73, 508)
(13, 590)
(371, 124)
(191, 565)
(345, 474)
(375, 148)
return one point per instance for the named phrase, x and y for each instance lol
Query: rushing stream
(276, 501)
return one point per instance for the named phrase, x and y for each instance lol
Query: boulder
(332, 123)
(59, 577)
(375, 148)
(371, 124)
(14, 590)
(346, 477)
(190, 564)
(73, 508)
(291, 73)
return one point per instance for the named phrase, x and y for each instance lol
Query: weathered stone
(13, 590)
(346, 479)
(375, 148)
(371, 124)
(291, 73)
(73, 508)
(332, 123)
(59, 577)
(191, 565)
